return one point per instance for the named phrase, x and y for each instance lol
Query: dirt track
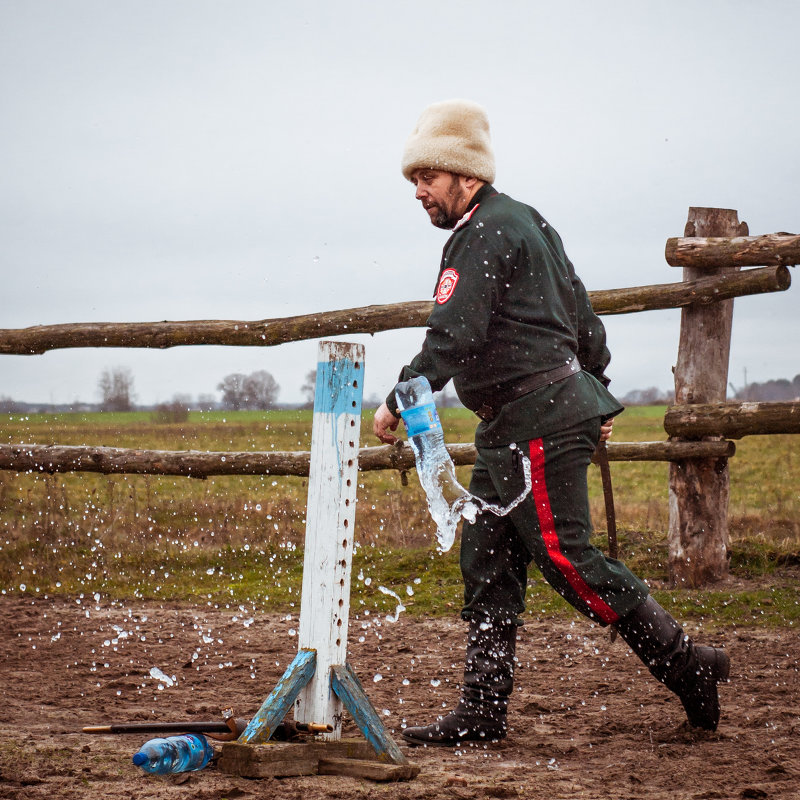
(586, 723)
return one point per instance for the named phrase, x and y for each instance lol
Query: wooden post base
(254, 756)
(353, 757)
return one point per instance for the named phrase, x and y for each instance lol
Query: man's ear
(471, 185)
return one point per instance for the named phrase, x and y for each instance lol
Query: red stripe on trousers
(553, 546)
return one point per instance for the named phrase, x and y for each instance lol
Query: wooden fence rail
(50, 459)
(737, 251)
(732, 420)
(369, 319)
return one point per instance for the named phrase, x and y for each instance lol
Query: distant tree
(115, 388)
(9, 406)
(309, 388)
(177, 410)
(372, 401)
(257, 390)
(447, 398)
(232, 388)
(648, 397)
(206, 402)
(182, 399)
(261, 390)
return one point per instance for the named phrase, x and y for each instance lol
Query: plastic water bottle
(425, 435)
(185, 753)
(447, 499)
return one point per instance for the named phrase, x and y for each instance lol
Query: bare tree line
(770, 391)
(777, 390)
(259, 390)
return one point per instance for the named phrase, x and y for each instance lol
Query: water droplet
(156, 673)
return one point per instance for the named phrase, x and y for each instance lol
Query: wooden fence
(712, 251)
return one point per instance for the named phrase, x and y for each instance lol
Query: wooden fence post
(699, 487)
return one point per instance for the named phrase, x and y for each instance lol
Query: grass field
(238, 540)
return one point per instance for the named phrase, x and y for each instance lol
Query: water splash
(398, 609)
(447, 515)
(161, 677)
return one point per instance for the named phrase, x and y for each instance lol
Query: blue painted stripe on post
(337, 390)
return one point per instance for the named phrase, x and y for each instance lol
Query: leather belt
(527, 385)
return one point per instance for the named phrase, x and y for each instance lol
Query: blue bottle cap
(139, 759)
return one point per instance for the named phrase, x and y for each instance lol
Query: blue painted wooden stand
(277, 705)
(347, 687)
(319, 681)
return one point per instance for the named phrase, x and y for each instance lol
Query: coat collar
(484, 193)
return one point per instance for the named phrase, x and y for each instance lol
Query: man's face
(442, 194)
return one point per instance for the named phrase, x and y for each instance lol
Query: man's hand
(384, 422)
(605, 430)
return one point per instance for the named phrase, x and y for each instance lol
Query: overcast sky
(240, 160)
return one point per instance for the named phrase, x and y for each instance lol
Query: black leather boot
(480, 715)
(691, 671)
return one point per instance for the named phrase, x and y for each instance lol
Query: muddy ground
(585, 721)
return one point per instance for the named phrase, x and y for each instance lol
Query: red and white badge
(447, 285)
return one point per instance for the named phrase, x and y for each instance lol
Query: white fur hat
(452, 136)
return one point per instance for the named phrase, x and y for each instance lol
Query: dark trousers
(551, 526)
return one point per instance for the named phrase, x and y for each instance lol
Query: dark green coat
(508, 304)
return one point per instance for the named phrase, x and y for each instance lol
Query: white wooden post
(330, 516)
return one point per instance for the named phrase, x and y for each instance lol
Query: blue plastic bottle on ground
(185, 753)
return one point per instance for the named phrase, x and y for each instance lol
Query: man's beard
(447, 217)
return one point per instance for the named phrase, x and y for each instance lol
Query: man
(513, 328)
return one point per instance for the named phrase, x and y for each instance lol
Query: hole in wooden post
(341, 602)
(346, 523)
(338, 642)
(339, 622)
(355, 384)
(344, 542)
